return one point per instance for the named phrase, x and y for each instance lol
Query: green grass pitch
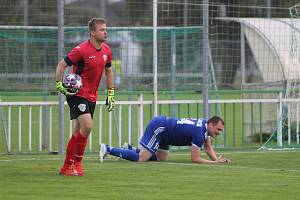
(252, 175)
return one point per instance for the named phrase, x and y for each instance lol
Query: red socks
(75, 149)
(80, 143)
(70, 151)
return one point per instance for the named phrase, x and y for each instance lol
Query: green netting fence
(28, 57)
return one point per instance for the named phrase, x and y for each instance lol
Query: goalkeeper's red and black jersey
(89, 63)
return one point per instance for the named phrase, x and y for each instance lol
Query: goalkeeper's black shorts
(79, 106)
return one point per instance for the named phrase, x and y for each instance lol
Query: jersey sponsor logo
(105, 57)
(82, 107)
(92, 57)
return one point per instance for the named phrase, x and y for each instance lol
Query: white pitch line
(171, 153)
(242, 152)
(47, 159)
(32, 159)
(231, 166)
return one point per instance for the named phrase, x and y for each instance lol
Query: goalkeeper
(162, 132)
(89, 60)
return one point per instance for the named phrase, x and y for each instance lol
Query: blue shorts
(150, 139)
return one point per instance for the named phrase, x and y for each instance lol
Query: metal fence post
(60, 51)
(279, 121)
(140, 117)
(205, 81)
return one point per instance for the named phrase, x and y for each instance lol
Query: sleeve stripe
(108, 64)
(68, 61)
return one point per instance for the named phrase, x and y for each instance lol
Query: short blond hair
(95, 20)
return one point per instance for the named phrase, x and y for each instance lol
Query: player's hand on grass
(221, 159)
(110, 100)
(61, 88)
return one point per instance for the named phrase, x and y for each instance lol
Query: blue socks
(131, 154)
(124, 153)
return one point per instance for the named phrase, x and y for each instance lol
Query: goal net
(286, 134)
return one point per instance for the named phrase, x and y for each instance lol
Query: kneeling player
(162, 132)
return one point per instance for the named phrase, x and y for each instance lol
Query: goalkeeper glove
(110, 100)
(61, 88)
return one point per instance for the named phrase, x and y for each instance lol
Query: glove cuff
(111, 91)
(59, 83)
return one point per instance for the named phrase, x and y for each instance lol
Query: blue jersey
(183, 132)
(164, 131)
